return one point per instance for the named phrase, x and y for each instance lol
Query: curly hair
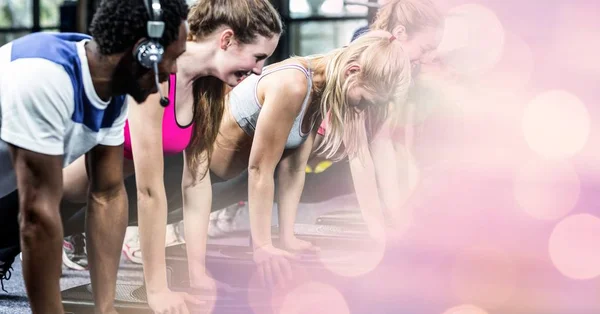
(118, 24)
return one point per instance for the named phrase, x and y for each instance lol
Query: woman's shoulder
(285, 79)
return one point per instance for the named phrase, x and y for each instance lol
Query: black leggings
(224, 190)
(335, 181)
(318, 187)
(9, 226)
(73, 215)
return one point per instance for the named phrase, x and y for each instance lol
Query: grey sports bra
(245, 107)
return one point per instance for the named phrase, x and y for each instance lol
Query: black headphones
(150, 52)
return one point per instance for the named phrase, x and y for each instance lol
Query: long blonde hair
(248, 19)
(384, 70)
(414, 15)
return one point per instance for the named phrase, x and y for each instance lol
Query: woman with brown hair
(227, 42)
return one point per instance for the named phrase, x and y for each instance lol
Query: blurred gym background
(312, 26)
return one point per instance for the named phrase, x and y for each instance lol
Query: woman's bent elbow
(253, 170)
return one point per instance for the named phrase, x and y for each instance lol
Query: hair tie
(392, 38)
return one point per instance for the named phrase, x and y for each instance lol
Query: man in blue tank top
(63, 96)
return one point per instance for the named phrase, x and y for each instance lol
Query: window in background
(50, 12)
(16, 13)
(5, 16)
(17, 17)
(299, 7)
(325, 7)
(329, 7)
(357, 9)
(320, 37)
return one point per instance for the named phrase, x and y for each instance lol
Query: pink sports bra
(398, 134)
(323, 126)
(175, 138)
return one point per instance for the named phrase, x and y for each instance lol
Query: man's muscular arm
(35, 101)
(39, 180)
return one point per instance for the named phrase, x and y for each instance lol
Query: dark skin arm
(106, 220)
(39, 180)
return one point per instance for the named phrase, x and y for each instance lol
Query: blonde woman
(384, 168)
(270, 122)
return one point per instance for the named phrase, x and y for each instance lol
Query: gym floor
(15, 301)
(469, 244)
